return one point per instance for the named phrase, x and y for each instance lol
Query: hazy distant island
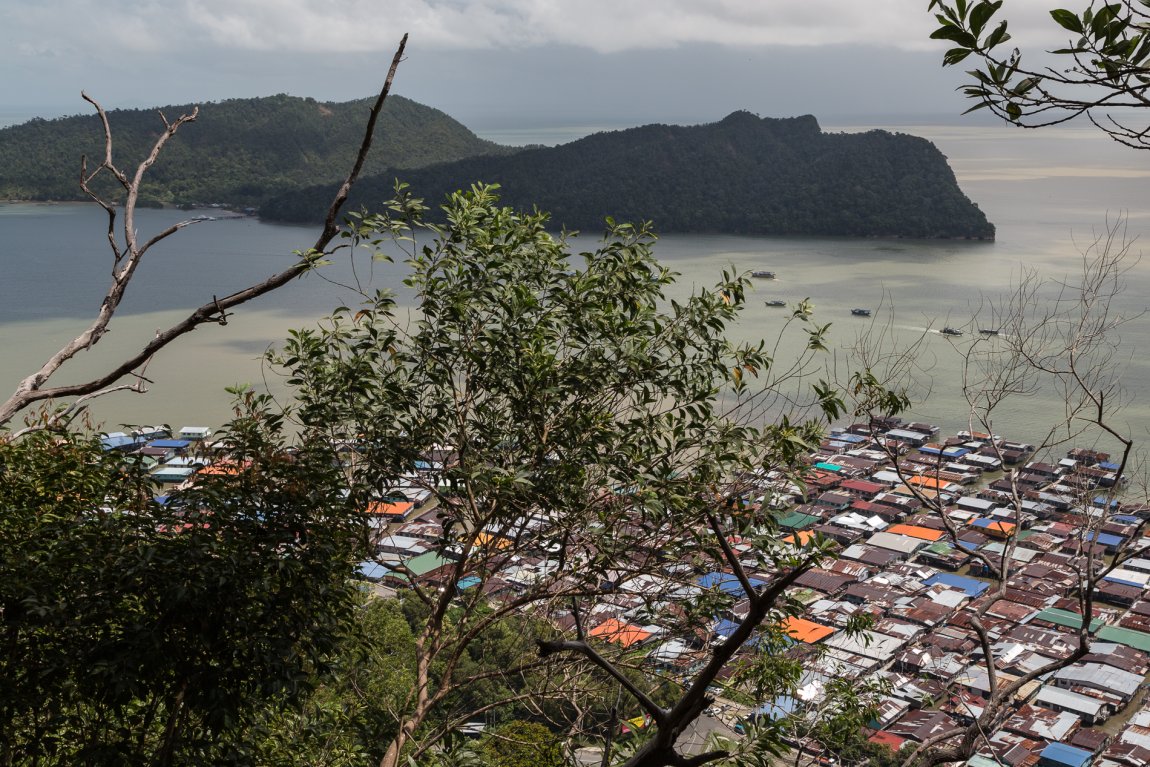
(741, 175)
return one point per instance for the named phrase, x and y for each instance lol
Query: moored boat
(776, 302)
(860, 312)
(949, 331)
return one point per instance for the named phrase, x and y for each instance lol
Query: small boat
(949, 331)
(763, 275)
(860, 312)
(988, 331)
(776, 302)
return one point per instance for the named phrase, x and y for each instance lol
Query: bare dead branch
(32, 389)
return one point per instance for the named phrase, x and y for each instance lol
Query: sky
(496, 64)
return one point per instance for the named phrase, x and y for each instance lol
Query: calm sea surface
(1048, 192)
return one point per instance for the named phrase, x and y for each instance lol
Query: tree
(128, 255)
(586, 437)
(140, 632)
(137, 631)
(1106, 67)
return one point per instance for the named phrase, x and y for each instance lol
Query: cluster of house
(908, 512)
(171, 458)
(899, 564)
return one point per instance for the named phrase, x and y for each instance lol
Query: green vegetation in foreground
(742, 175)
(239, 152)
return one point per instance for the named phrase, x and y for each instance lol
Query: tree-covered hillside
(741, 175)
(238, 152)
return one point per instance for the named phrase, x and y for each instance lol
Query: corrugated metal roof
(1139, 640)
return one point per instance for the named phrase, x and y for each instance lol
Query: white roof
(903, 544)
(1071, 701)
(869, 644)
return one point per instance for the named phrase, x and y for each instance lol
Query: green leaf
(1068, 20)
(955, 55)
(954, 34)
(997, 37)
(1025, 84)
(982, 14)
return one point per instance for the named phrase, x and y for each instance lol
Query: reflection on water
(55, 268)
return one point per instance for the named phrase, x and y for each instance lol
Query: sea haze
(1047, 192)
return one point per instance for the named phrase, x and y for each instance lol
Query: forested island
(239, 152)
(742, 175)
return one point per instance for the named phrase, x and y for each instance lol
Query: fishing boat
(949, 331)
(860, 312)
(988, 331)
(763, 275)
(776, 302)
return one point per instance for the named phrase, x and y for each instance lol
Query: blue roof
(828, 466)
(175, 444)
(725, 628)
(971, 586)
(1126, 519)
(968, 545)
(1109, 465)
(1062, 754)
(466, 583)
(726, 582)
(847, 437)
(1106, 539)
(780, 707)
(115, 440)
(372, 570)
(950, 452)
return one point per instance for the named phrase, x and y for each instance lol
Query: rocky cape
(741, 175)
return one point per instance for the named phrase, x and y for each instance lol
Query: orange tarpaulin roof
(389, 507)
(224, 468)
(993, 526)
(487, 539)
(799, 538)
(917, 531)
(620, 633)
(805, 630)
(924, 481)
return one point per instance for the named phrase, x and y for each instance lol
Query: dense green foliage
(351, 715)
(140, 633)
(742, 175)
(595, 426)
(238, 152)
(522, 744)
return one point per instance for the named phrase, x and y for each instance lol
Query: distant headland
(741, 175)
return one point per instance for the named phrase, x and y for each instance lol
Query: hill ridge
(742, 174)
(238, 152)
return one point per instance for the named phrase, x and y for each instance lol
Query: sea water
(1049, 193)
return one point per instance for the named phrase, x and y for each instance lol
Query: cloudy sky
(494, 64)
